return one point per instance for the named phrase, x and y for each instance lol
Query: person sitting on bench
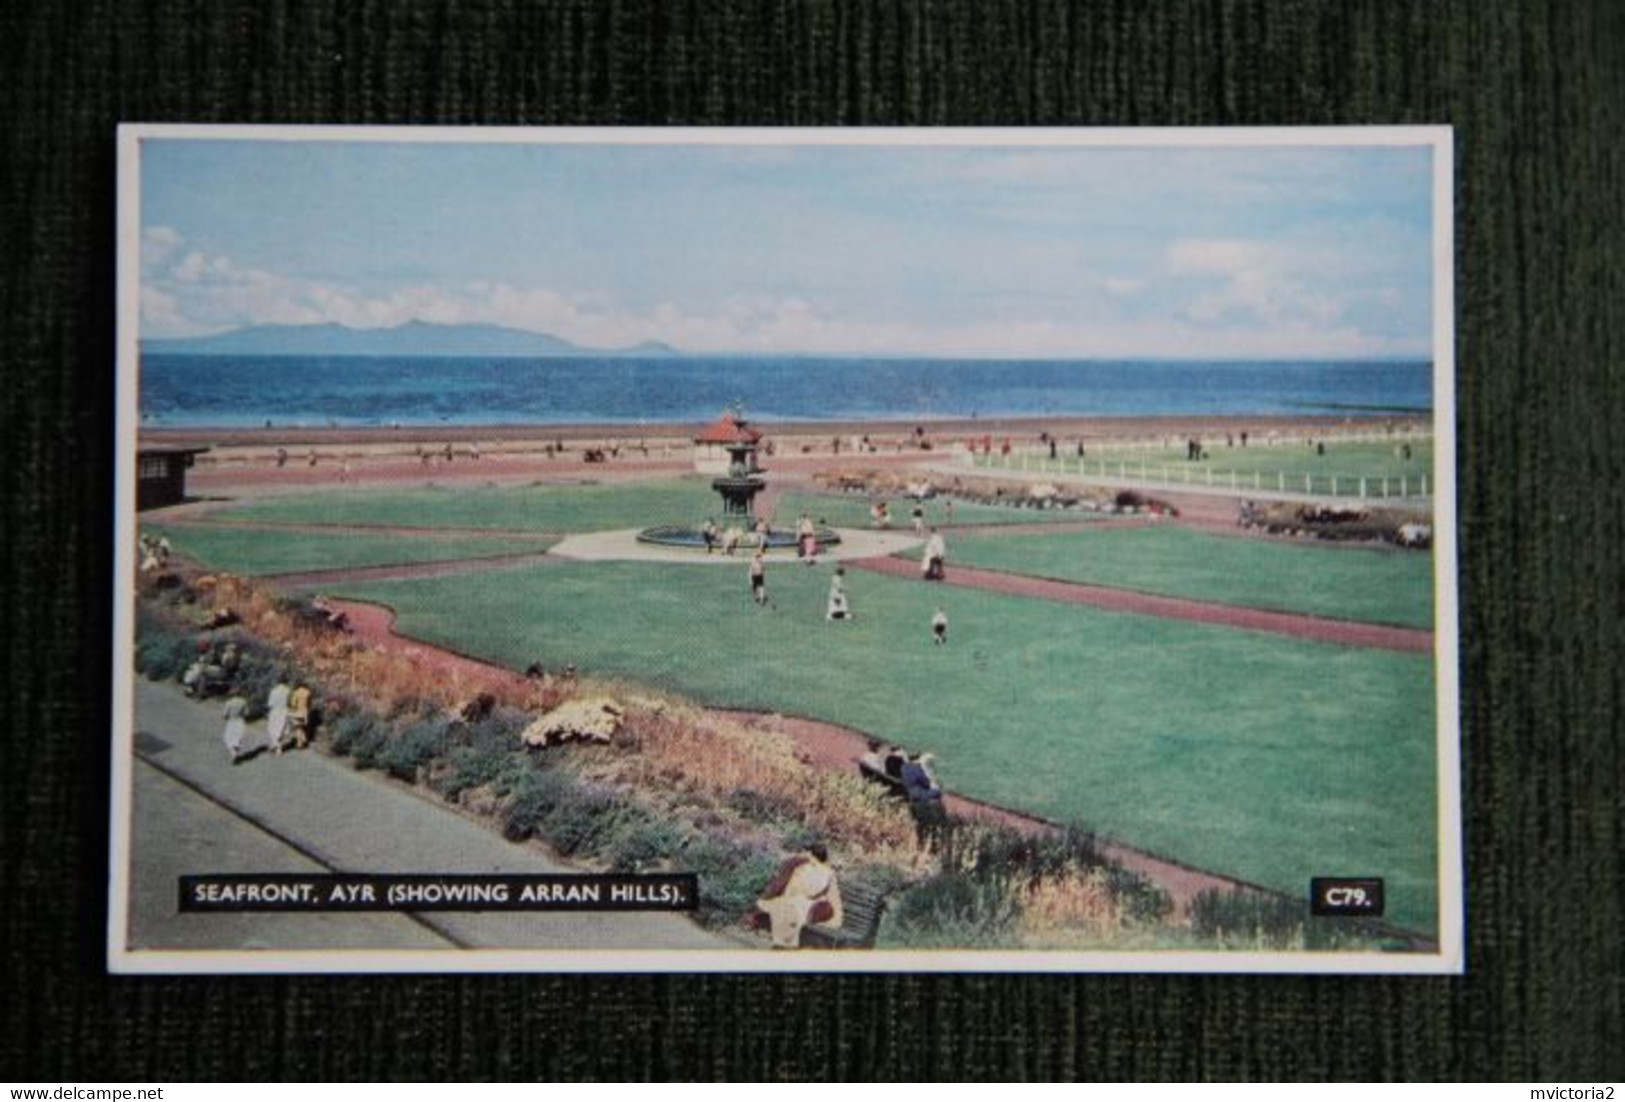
(804, 892)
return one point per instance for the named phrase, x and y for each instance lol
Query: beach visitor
(892, 763)
(936, 556)
(276, 718)
(838, 608)
(939, 626)
(299, 716)
(804, 892)
(758, 576)
(710, 533)
(917, 514)
(282, 457)
(807, 539)
(235, 727)
(731, 539)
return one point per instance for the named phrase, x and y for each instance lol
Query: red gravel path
(1319, 628)
(374, 625)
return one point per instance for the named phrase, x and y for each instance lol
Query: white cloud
(1263, 281)
(158, 244)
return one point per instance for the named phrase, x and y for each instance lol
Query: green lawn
(245, 551)
(1351, 583)
(1267, 758)
(517, 508)
(1259, 466)
(852, 511)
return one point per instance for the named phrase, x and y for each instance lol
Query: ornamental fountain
(738, 484)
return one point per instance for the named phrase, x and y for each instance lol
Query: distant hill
(413, 338)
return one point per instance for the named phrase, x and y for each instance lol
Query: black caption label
(427, 892)
(1330, 896)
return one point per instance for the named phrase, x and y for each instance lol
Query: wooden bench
(892, 785)
(861, 910)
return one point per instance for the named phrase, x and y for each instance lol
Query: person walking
(837, 608)
(235, 727)
(807, 540)
(276, 721)
(758, 577)
(936, 555)
(939, 627)
(299, 716)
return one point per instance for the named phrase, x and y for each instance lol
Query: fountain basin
(678, 535)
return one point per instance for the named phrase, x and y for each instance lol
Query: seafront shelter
(160, 475)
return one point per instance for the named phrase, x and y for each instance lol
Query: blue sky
(1307, 252)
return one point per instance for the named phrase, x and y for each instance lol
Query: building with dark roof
(160, 475)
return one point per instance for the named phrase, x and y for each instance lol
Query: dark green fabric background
(1537, 96)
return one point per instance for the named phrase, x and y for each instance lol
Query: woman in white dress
(235, 726)
(276, 722)
(803, 893)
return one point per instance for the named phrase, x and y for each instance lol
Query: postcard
(698, 550)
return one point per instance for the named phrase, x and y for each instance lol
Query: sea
(193, 391)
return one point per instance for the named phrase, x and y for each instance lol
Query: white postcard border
(1448, 960)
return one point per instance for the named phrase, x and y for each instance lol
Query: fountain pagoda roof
(728, 429)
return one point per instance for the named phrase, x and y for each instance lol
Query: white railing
(1206, 474)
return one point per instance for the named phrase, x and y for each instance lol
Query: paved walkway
(1319, 628)
(201, 835)
(623, 546)
(332, 817)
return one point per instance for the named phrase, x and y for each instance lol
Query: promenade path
(319, 813)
